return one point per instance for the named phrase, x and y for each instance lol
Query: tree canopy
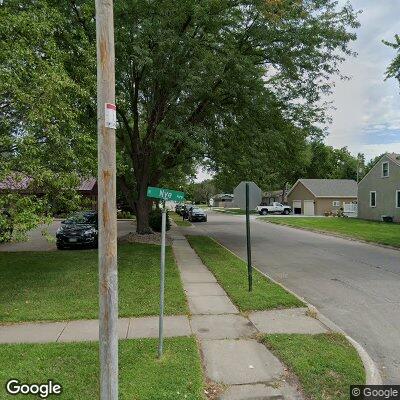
(227, 80)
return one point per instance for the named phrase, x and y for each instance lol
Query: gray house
(379, 190)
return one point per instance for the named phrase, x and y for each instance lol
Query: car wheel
(286, 212)
(60, 246)
(264, 212)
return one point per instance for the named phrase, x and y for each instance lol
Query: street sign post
(164, 195)
(248, 239)
(247, 196)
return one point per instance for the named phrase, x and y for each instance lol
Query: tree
(393, 71)
(187, 73)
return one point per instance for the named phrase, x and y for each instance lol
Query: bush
(155, 220)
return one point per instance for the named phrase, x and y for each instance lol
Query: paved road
(38, 242)
(354, 284)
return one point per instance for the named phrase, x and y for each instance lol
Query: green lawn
(235, 211)
(63, 285)
(231, 272)
(326, 364)
(178, 219)
(371, 231)
(75, 366)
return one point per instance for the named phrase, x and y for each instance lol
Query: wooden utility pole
(108, 277)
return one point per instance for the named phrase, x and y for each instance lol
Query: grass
(63, 285)
(231, 273)
(326, 364)
(370, 231)
(142, 376)
(178, 219)
(235, 211)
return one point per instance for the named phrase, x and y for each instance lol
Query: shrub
(155, 220)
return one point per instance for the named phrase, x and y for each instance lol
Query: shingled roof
(394, 157)
(329, 187)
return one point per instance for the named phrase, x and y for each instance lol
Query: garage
(321, 196)
(309, 207)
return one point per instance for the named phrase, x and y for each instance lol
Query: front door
(309, 207)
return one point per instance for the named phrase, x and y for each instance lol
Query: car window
(82, 218)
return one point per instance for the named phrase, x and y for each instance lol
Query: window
(398, 198)
(372, 199)
(385, 169)
(335, 203)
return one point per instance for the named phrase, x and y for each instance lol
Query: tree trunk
(143, 207)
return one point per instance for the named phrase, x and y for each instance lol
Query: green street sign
(165, 194)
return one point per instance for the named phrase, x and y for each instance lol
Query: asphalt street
(354, 284)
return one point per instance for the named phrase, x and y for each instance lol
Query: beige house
(319, 196)
(379, 190)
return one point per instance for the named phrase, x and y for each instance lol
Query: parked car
(274, 208)
(197, 214)
(79, 230)
(179, 209)
(6, 226)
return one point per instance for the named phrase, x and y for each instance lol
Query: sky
(366, 118)
(367, 115)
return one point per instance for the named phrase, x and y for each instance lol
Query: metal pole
(162, 282)
(108, 279)
(249, 266)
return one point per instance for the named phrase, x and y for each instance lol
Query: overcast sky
(367, 115)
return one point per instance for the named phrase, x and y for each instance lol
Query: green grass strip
(231, 273)
(178, 219)
(178, 375)
(63, 285)
(370, 231)
(326, 364)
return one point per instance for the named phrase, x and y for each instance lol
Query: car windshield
(197, 210)
(82, 219)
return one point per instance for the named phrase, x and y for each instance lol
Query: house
(321, 196)
(379, 190)
(224, 200)
(274, 196)
(24, 185)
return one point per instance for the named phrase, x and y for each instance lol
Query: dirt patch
(154, 238)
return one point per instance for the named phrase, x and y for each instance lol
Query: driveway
(37, 242)
(354, 284)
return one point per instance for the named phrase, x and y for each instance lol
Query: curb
(372, 374)
(331, 234)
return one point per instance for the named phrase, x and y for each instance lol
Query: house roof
(329, 187)
(394, 157)
(20, 182)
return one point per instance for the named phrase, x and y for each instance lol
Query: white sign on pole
(255, 195)
(110, 116)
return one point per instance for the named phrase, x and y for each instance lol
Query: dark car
(179, 209)
(79, 230)
(197, 214)
(6, 226)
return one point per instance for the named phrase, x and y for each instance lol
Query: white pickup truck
(273, 208)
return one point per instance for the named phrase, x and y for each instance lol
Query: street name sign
(165, 194)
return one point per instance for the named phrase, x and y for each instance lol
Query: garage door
(296, 206)
(308, 207)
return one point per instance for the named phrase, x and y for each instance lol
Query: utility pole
(108, 277)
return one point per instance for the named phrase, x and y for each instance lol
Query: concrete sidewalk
(232, 356)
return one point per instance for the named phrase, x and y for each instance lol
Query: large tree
(393, 71)
(187, 74)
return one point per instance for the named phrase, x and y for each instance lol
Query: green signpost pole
(164, 195)
(162, 282)
(248, 239)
